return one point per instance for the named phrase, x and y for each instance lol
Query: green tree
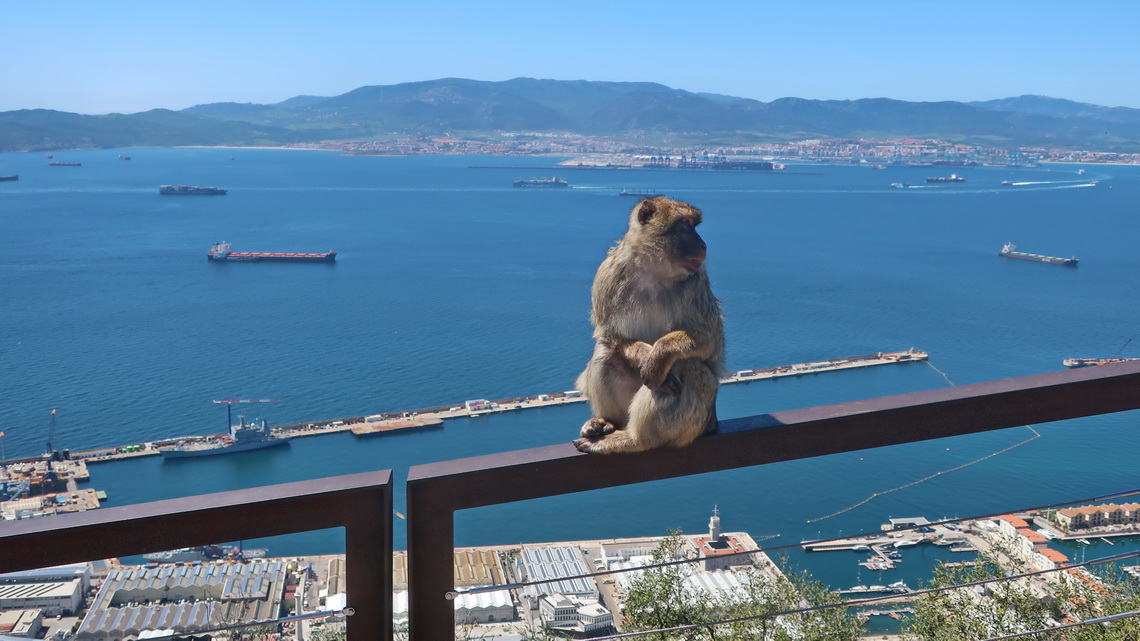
(1025, 605)
(659, 598)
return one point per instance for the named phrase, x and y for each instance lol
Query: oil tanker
(221, 252)
(1010, 251)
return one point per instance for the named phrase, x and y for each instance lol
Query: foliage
(658, 598)
(1025, 605)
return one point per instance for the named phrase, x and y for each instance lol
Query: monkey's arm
(672, 347)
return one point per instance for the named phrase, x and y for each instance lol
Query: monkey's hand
(656, 376)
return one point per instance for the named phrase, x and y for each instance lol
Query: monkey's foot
(596, 427)
(613, 443)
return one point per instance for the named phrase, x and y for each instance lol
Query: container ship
(1010, 251)
(221, 252)
(542, 182)
(190, 190)
(952, 178)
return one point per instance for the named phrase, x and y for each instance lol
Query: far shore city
(601, 151)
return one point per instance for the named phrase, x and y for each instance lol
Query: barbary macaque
(659, 336)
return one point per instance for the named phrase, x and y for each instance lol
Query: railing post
(368, 554)
(431, 562)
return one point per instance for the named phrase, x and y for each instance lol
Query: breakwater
(427, 417)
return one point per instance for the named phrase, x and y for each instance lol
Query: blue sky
(128, 56)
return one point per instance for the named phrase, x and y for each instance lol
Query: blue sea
(450, 284)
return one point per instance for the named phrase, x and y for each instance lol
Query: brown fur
(659, 350)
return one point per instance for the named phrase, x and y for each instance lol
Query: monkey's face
(687, 247)
(670, 226)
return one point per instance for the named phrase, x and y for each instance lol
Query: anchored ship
(60, 163)
(952, 178)
(542, 182)
(190, 190)
(221, 252)
(1010, 251)
(205, 553)
(243, 437)
(12, 177)
(640, 193)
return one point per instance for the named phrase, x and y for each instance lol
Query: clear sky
(129, 56)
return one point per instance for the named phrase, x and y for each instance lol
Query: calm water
(452, 285)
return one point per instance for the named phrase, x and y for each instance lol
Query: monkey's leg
(665, 419)
(609, 382)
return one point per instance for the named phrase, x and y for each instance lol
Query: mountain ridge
(459, 106)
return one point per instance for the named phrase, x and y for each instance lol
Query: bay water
(450, 285)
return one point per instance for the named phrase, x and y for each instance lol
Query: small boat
(1084, 541)
(898, 185)
(124, 157)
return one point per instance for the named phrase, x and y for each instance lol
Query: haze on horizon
(132, 56)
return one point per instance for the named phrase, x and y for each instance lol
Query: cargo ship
(1010, 251)
(190, 190)
(952, 178)
(1090, 362)
(221, 252)
(640, 193)
(205, 553)
(7, 178)
(60, 163)
(542, 182)
(243, 437)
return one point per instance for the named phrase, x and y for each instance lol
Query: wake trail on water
(1036, 435)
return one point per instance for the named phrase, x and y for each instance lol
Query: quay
(389, 422)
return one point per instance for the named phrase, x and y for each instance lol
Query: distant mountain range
(460, 107)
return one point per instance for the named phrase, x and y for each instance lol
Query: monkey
(658, 356)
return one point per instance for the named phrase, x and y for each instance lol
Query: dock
(415, 419)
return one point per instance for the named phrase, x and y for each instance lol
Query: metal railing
(436, 491)
(359, 503)
(362, 503)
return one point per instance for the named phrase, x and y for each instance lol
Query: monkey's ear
(648, 208)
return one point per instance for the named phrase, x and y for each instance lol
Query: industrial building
(184, 598)
(53, 597)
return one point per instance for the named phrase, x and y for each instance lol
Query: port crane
(230, 402)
